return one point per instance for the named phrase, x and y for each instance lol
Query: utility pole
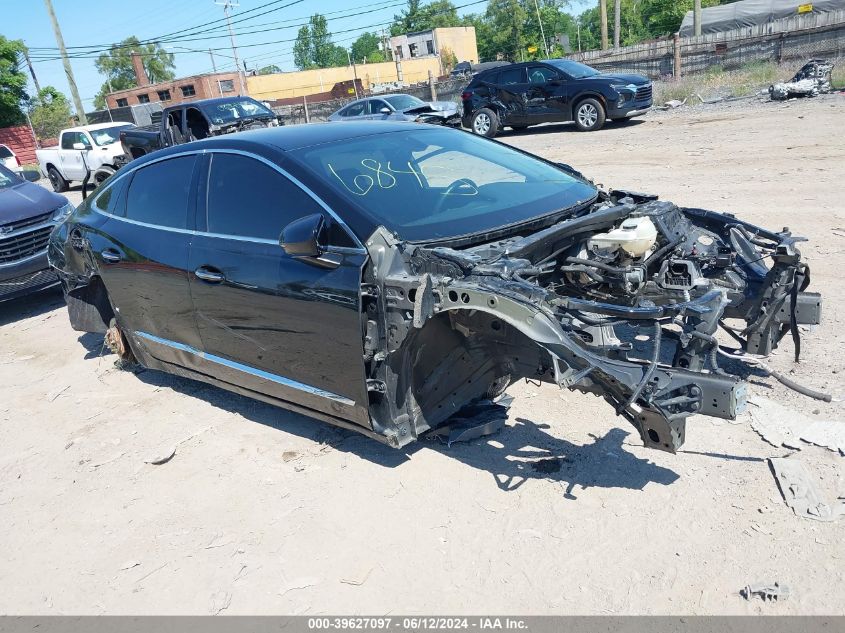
(354, 73)
(617, 22)
(603, 12)
(77, 102)
(542, 33)
(226, 5)
(31, 70)
(216, 78)
(696, 17)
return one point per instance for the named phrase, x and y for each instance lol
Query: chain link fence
(308, 112)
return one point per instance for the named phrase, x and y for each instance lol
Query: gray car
(399, 107)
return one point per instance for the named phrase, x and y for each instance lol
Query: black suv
(553, 90)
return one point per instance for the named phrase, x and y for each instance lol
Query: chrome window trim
(311, 194)
(359, 250)
(259, 373)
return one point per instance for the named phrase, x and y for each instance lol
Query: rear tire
(589, 115)
(101, 174)
(484, 122)
(57, 180)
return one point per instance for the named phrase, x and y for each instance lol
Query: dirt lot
(261, 511)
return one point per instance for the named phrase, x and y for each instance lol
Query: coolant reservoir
(635, 236)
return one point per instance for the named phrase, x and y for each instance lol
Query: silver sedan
(398, 107)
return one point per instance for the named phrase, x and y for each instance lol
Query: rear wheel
(56, 179)
(589, 115)
(102, 173)
(485, 123)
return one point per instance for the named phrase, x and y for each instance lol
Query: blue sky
(262, 40)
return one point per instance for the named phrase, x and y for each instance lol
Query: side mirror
(301, 238)
(81, 146)
(385, 111)
(31, 175)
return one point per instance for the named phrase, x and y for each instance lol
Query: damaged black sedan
(384, 276)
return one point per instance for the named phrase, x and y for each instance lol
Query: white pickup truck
(95, 148)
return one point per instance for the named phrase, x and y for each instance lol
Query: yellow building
(460, 40)
(308, 82)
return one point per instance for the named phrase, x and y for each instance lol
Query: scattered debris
(220, 601)
(775, 591)
(800, 493)
(108, 461)
(357, 581)
(162, 458)
(813, 79)
(759, 528)
(477, 420)
(55, 394)
(301, 583)
(780, 426)
(129, 565)
(289, 456)
(674, 103)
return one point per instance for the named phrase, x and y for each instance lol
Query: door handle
(209, 275)
(111, 256)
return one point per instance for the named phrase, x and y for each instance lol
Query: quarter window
(108, 200)
(246, 198)
(159, 194)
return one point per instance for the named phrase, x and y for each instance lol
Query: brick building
(171, 92)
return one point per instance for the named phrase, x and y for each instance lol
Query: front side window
(376, 105)
(429, 183)
(541, 74)
(247, 198)
(356, 109)
(159, 193)
(69, 138)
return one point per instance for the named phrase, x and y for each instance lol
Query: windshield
(108, 135)
(232, 111)
(432, 183)
(8, 179)
(403, 102)
(576, 70)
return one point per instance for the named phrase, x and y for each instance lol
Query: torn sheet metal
(800, 492)
(781, 426)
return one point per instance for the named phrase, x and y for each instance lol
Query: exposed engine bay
(622, 299)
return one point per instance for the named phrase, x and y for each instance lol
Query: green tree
(116, 65)
(49, 112)
(314, 47)
(436, 14)
(269, 70)
(12, 82)
(366, 48)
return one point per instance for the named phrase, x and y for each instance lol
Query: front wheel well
(89, 307)
(589, 95)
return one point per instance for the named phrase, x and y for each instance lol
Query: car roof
(288, 137)
(213, 101)
(96, 126)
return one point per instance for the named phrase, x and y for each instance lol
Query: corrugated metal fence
(796, 38)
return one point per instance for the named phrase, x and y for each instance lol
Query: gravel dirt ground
(262, 511)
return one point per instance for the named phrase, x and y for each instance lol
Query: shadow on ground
(555, 128)
(524, 450)
(29, 306)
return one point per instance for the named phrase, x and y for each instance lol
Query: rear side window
(5, 152)
(246, 198)
(159, 193)
(512, 76)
